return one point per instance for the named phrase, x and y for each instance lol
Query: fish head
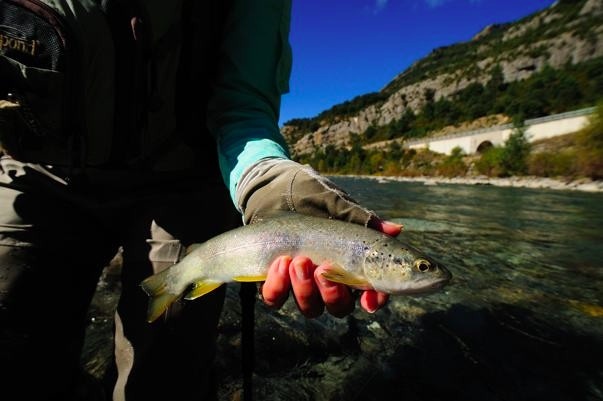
(393, 267)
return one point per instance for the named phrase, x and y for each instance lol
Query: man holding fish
(61, 224)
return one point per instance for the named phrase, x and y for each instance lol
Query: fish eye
(422, 265)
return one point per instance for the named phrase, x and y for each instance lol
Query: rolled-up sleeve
(253, 72)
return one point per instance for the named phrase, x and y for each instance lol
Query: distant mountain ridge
(568, 33)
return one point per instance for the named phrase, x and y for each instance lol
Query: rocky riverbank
(583, 184)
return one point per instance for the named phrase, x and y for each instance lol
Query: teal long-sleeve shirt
(253, 72)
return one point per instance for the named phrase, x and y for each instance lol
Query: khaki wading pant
(54, 243)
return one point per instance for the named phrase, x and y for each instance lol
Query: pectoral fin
(338, 274)
(201, 288)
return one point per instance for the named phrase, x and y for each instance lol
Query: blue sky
(346, 48)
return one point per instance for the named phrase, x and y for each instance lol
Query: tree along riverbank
(583, 184)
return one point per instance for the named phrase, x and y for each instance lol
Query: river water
(522, 318)
(537, 249)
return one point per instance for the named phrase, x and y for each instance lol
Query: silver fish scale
(249, 250)
(384, 262)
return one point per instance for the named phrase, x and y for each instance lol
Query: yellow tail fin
(160, 300)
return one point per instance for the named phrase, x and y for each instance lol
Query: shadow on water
(503, 352)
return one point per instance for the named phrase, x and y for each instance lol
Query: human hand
(283, 185)
(313, 293)
(274, 185)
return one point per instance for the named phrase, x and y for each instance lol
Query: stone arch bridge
(478, 140)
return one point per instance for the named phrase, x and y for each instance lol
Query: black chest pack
(105, 83)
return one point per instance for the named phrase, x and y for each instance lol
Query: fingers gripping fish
(359, 257)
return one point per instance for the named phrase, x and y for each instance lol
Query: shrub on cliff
(515, 152)
(490, 163)
(589, 143)
(510, 159)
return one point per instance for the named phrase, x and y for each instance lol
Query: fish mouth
(439, 284)
(429, 288)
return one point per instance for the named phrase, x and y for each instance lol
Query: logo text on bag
(20, 45)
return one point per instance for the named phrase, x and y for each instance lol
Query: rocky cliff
(568, 32)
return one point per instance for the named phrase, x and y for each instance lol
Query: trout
(357, 256)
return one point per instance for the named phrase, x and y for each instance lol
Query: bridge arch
(484, 146)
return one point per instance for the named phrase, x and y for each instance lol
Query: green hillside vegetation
(549, 91)
(464, 56)
(571, 85)
(580, 155)
(342, 110)
(546, 91)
